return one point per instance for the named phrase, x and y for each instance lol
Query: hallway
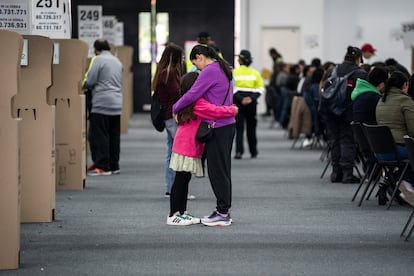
(286, 221)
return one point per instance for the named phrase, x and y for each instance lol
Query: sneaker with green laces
(179, 220)
(194, 219)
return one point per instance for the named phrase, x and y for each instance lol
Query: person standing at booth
(104, 81)
(248, 88)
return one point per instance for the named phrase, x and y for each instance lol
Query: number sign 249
(89, 15)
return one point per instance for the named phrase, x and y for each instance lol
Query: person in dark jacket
(366, 95)
(340, 137)
(166, 82)
(311, 95)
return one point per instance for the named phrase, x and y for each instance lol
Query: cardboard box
(10, 56)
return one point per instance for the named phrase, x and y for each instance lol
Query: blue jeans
(171, 129)
(409, 175)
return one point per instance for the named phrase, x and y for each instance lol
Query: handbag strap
(225, 98)
(227, 93)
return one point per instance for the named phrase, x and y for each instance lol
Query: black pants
(179, 192)
(105, 134)
(246, 115)
(342, 145)
(218, 153)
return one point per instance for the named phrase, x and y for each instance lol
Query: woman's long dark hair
(211, 53)
(397, 80)
(171, 60)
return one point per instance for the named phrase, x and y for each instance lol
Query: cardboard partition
(36, 131)
(10, 56)
(70, 143)
(67, 96)
(125, 55)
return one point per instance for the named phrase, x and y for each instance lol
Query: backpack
(157, 117)
(334, 95)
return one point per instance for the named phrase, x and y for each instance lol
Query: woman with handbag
(187, 150)
(214, 84)
(166, 83)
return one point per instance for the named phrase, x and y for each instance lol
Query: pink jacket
(185, 142)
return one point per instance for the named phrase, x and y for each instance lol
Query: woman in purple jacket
(187, 150)
(214, 84)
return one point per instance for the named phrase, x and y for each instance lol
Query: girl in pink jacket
(187, 150)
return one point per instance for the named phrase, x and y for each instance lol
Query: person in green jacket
(366, 95)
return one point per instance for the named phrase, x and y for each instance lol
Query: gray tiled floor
(287, 221)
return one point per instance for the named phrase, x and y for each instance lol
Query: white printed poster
(51, 18)
(408, 34)
(108, 28)
(15, 16)
(90, 27)
(119, 34)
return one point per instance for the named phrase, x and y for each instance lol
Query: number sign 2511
(46, 3)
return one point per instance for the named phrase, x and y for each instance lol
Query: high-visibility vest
(247, 79)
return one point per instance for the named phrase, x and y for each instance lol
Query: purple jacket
(212, 85)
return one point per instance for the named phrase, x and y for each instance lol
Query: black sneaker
(382, 195)
(336, 177)
(238, 156)
(352, 179)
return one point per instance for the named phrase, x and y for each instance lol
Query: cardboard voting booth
(67, 96)
(36, 132)
(10, 56)
(125, 55)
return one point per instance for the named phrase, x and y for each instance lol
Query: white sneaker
(307, 143)
(194, 219)
(407, 192)
(179, 220)
(191, 197)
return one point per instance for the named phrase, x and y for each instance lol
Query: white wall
(278, 13)
(334, 23)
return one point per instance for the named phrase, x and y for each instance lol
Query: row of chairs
(381, 158)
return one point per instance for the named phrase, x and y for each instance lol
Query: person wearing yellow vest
(203, 38)
(248, 88)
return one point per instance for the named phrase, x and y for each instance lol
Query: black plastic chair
(383, 146)
(326, 155)
(367, 158)
(409, 143)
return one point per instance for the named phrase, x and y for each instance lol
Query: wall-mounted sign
(108, 28)
(14, 16)
(408, 34)
(51, 18)
(90, 25)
